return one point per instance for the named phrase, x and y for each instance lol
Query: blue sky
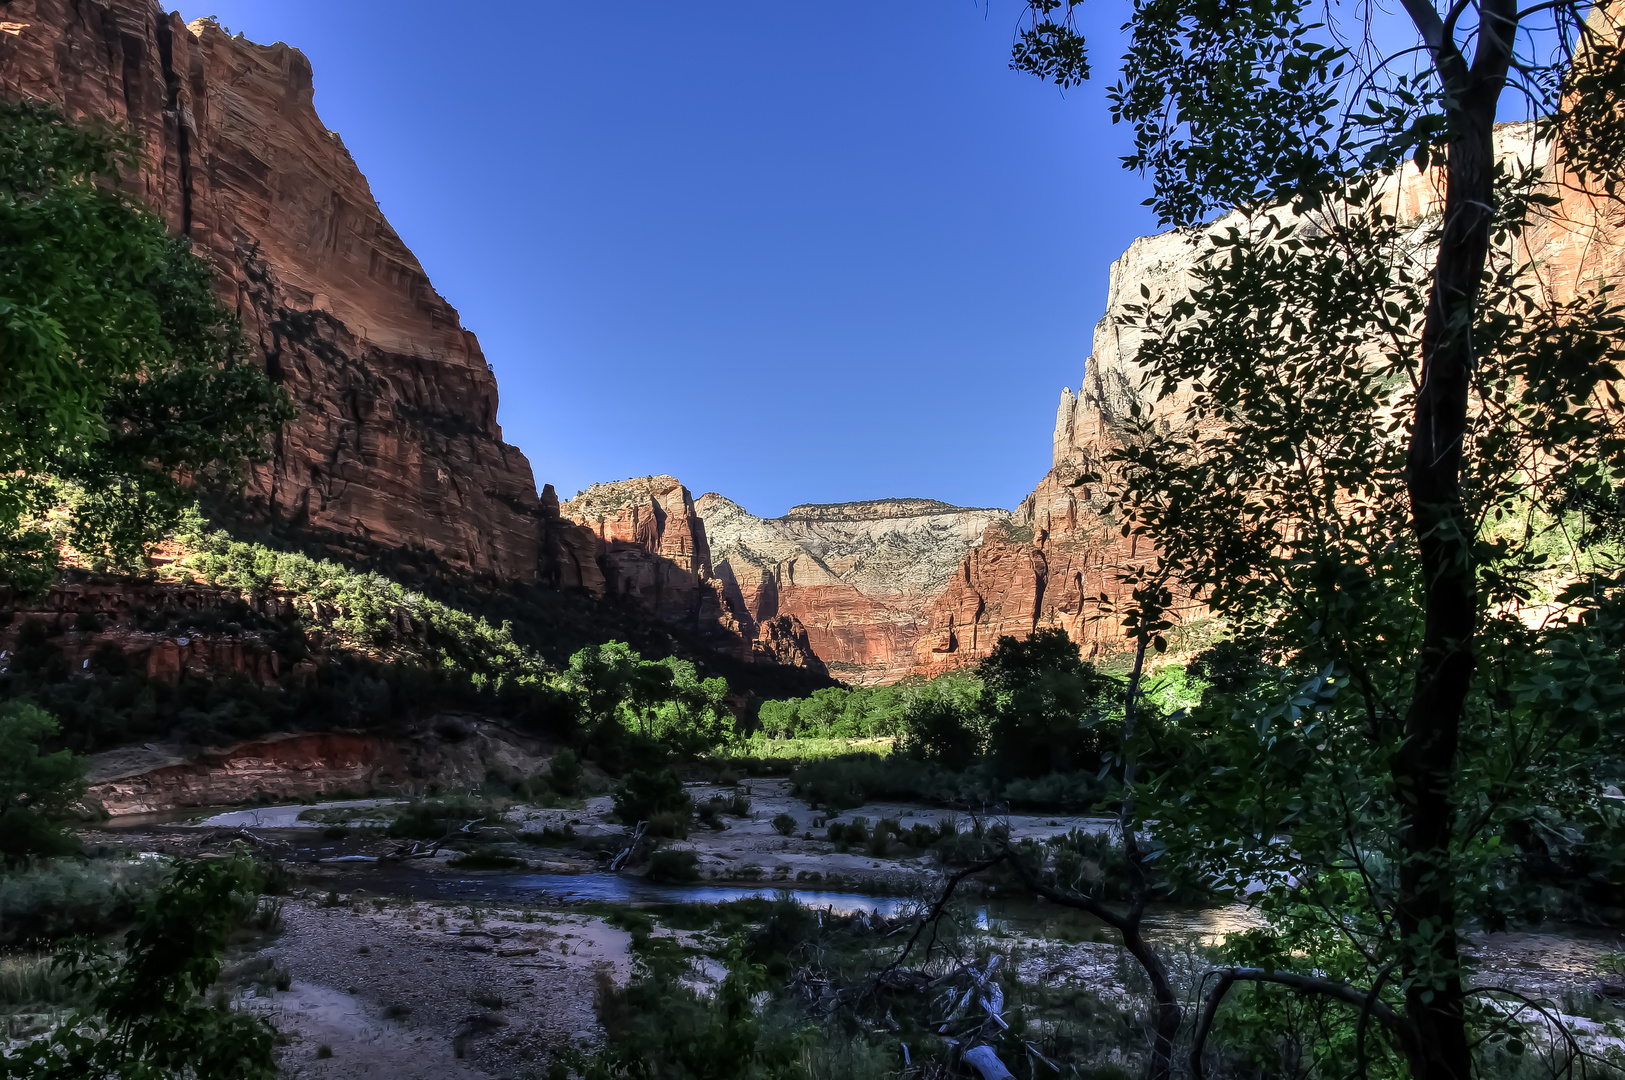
(788, 252)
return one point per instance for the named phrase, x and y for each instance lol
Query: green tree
(1381, 417)
(147, 1019)
(1045, 709)
(661, 1028)
(602, 677)
(122, 381)
(37, 791)
(934, 729)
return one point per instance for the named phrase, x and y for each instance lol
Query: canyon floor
(421, 970)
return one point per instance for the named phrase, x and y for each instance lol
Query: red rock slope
(396, 442)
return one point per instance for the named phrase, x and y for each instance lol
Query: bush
(147, 1016)
(39, 789)
(674, 866)
(668, 824)
(33, 980)
(1065, 791)
(486, 857)
(62, 898)
(710, 813)
(565, 772)
(649, 792)
(436, 818)
(660, 1025)
(939, 730)
(850, 834)
(784, 824)
(847, 782)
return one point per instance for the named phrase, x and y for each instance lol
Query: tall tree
(123, 380)
(1387, 424)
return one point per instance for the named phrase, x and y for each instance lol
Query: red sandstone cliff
(396, 442)
(655, 553)
(861, 577)
(1064, 551)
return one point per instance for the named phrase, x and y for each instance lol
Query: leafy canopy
(37, 791)
(147, 1019)
(121, 375)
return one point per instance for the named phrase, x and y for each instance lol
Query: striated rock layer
(861, 577)
(396, 442)
(445, 751)
(653, 546)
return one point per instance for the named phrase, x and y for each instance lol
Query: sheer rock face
(655, 550)
(446, 750)
(396, 442)
(1063, 548)
(651, 544)
(860, 577)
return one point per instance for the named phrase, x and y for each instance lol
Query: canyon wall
(655, 551)
(1047, 566)
(1062, 549)
(396, 443)
(861, 577)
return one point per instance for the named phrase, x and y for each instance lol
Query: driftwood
(620, 861)
(985, 1061)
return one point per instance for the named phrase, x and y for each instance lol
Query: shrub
(674, 866)
(879, 841)
(919, 836)
(147, 1016)
(33, 980)
(433, 819)
(486, 857)
(39, 789)
(565, 772)
(850, 834)
(738, 804)
(939, 730)
(1068, 791)
(61, 898)
(660, 1025)
(649, 792)
(784, 824)
(668, 824)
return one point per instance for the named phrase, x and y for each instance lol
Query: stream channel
(1568, 953)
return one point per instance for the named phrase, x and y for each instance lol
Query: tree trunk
(1424, 764)
(1168, 1012)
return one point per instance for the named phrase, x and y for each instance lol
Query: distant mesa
(873, 509)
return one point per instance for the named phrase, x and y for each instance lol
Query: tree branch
(1366, 1001)
(1497, 27)
(1428, 24)
(936, 909)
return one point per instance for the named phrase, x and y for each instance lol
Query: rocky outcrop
(449, 751)
(159, 630)
(651, 544)
(654, 551)
(861, 577)
(396, 443)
